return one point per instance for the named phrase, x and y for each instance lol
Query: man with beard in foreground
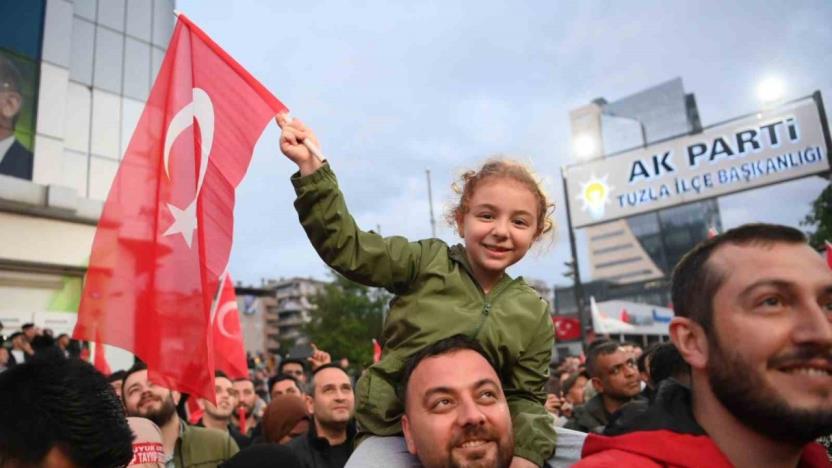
(456, 414)
(754, 321)
(184, 445)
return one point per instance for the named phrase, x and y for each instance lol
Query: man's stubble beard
(751, 400)
(164, 414)
(504, 454)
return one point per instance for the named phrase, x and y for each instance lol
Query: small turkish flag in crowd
(165, 232)
(829, 253)
(376, 351)
(229, 348)
(567, 328)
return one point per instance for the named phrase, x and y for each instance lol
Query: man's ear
(201, 403)
(176, 397)
(310, 404)
(690, 339)
(597, 385)
(408, 435)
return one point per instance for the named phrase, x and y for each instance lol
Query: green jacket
(436, 298)
(200, 447)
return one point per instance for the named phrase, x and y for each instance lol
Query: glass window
(21, 25)
(77, 113)
(47, 162)
(136, 69)
(102, 173)
(106, 124)
(52, 96)
(86, 9)
(74, 171)
(81, 49)
(111, 14)
(109, 55)
(163, 19)
(138, 18)
(57, 33)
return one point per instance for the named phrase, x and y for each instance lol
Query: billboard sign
(772, 146)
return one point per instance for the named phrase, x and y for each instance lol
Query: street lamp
(771, 89)
(585, 146)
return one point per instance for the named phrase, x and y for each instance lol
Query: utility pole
(577, 287)
(430, 204)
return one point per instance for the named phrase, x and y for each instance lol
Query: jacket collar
(458, 254)
(322, 442)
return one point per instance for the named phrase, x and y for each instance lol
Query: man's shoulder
(203, 437)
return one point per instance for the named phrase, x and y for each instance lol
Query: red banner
(165, 232)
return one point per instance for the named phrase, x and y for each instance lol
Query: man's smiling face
(457, 415)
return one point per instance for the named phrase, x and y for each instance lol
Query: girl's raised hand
(293, 133)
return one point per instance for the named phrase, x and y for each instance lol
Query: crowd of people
(465, 378)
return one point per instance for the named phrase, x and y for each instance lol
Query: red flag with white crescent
(829, 253)
(229, 347)
(165, 232)
(567, 328)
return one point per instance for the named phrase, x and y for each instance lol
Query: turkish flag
(99, 360)
(829, 253)
(165, 232)
(376, 351)
(567, 328)
(229, 350)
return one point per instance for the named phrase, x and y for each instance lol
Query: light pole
(577, 287)
(430, 204)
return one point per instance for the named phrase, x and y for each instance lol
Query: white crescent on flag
(202, 110)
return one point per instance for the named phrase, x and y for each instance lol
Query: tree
(346, 318)
(820, 219)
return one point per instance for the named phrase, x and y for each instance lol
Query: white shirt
(5, 144)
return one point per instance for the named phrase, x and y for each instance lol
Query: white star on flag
(184, 222)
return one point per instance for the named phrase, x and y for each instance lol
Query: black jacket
(315, 452)
(17, 162)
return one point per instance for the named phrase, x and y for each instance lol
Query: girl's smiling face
(498, 225)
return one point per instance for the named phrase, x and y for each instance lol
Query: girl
(443, 291)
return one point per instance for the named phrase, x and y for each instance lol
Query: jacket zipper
(486, 308)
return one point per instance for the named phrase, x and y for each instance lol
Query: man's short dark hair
(47, 403)
(641, 361)
(117, 376)
(280, 378)
(694, 284)
(446, 346)
(603, 349)
(667, 362)
(138, 366)
(220, 374)
(10, 77)
(15, 335)
(27, 326)
(291, 361)
(310, 386)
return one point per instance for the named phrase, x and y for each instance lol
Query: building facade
(632, 259)
(78, 73)
(294, 305)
